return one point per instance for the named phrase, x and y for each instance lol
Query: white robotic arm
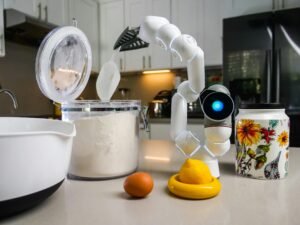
(215, 101)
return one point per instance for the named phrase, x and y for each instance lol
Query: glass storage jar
(107, 140)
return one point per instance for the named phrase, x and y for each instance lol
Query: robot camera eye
(217, 106)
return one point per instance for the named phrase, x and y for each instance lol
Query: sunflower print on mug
(248, 132)
(283, 139)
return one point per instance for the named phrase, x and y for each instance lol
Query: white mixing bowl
(34, 160)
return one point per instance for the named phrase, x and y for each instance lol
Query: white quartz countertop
(242, 201)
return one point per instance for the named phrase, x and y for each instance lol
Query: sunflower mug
(262, 141)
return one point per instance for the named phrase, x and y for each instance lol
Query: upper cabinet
(159, 58)
(188, 17)
(135, 11)
(152, 57)
(234, 8)
(52, 11)
(284, 4)
(201, 19)
(87, 14)
(111, 26)
(55, 11)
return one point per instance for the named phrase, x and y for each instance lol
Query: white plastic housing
(166, 34)
(213, 167)
(217, 134)
(150, 26)
(218, 149)
(184, 47)
(187, 92)
(196, 71)
(35, 154)
(178, 115)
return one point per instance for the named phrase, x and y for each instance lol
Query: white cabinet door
(29, 7)
(135, 11)
(55, 12)
(188, 17)
(111, 27)
(86, 12)
(152, 57)
(289, 3)
(212, 33)
(159, 58)
(243, 7)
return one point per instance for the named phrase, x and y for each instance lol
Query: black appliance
(160, 107)
(261, 61)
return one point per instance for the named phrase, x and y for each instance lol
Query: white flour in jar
(105, 146)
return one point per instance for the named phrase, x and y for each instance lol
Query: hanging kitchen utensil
(129, 40)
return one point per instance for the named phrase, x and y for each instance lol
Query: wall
(17, 73)
(145, 86)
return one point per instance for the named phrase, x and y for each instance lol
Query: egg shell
(138, 185)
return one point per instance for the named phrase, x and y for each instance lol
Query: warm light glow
(156, 71)
(157, 158)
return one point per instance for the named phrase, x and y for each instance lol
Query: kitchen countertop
(168, 120)
(241, 201)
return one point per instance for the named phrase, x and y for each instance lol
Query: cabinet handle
(144, 62)
(46, 13)
(273, 4)
(282, 4)
(121, 64)
(39, 10)
(149, 61)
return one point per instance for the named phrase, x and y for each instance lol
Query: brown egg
(138, 184)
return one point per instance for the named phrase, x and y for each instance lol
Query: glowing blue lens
(217, 106)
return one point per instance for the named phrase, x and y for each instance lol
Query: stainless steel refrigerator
(261, 61)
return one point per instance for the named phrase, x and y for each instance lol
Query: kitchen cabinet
(284, 4)
(87, 14)
(188, 17)
(30, 7)
(111, 26)
(151, 57)
(2, 39)
(159, 58)
(202, 20)
(55, 12)
(52, 11)
(244, 7)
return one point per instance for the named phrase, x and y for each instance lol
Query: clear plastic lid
(63, 64)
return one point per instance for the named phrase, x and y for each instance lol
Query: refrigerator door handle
(289, 39)
(269, 73)
(277, 75)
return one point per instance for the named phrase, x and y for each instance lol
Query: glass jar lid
(98, 106)
(63, 64)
